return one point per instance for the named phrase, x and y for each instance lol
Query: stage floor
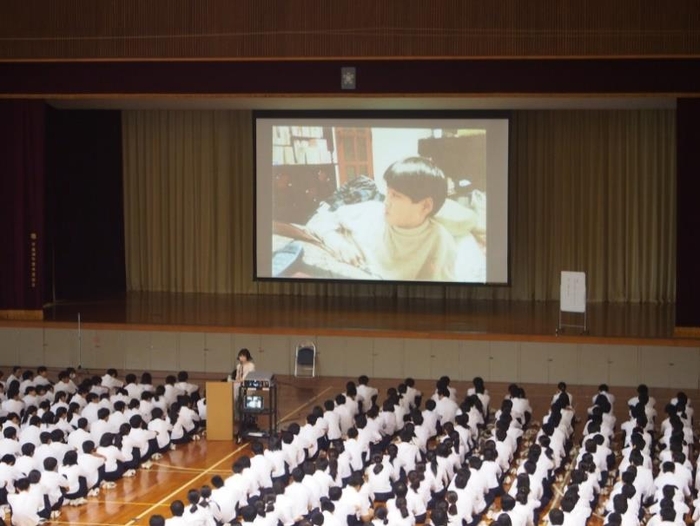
(366, 316)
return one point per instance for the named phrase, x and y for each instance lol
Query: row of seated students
(398, 465)
(655, 476)
(620, 477)
(383, 482)
(63, 441)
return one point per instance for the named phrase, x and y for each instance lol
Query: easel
(572, 301)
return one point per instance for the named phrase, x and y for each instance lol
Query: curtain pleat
(590, 191)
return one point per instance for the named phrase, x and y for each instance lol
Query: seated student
(77, 481)
(13, 403)
(162, 427)
(412, 395)
(184, 385)
(445, 406)
(27, 381)
(248, 515)
(15, 375)
(25, 505)
(177, 508)
(55, 485)
(38, 489)
(561, 389)
(378, 475)
(9, 444)
(225, 499)
(110, 380)
(26, 461)
(482, 393)
(299, 494)
(185, 421)
(42, 377)
(398, 239)
(144, 439)
(366, 394)
(197, 512)
(93, 466)
(114, 460)
(65, 383)
(355, 501)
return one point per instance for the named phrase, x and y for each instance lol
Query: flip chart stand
(572, 302)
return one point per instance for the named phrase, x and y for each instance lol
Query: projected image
(374, 203)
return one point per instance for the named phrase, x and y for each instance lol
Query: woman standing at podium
(245, 365)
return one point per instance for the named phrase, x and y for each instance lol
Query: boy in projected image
(397, 239)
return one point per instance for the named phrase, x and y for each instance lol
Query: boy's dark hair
(556, 516)
(177, 508)
(50, 463)
(248, 513)
(418, 178)
(22, 484)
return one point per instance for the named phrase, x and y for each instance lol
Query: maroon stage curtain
(688, 217)
(22, 132)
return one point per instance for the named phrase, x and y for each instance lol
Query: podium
(220, 410)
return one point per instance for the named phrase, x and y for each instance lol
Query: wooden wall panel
(345, 28)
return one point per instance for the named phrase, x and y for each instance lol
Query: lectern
(220, 406)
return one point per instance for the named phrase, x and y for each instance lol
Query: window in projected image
(384, 201)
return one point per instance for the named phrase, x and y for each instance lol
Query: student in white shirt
(261, 466)
(197, 513)
(54, 484)
(378, 475)
(93, 466)
(80, 435)
(113, 460)
(482, 393)
(177, 509)
(445, 407)
(9, 444)
(65, 384)
(13, 403)
(162, 427)
(408, 452)
(26, 461)
(25, 505)
(277, 459)
(225, 499)
(355, 501)
(366, 394)
(444, 382)
(299, 494)
(110, 380)
(77, 481)
(412, 395)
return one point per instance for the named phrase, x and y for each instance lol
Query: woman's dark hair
(245, 352)
(193, 499)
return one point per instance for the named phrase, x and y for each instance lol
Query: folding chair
(305, 360)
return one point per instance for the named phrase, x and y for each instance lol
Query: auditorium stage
(367, 317)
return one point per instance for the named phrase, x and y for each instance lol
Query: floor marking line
(305, 404)
(185, 486)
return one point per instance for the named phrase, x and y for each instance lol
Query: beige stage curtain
(591, 191)
(185, 173)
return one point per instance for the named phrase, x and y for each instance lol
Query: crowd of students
(450, 461)
(442, 459)
(64, 441)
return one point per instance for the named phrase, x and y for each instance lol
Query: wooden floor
(134, 500)
(364, 317)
